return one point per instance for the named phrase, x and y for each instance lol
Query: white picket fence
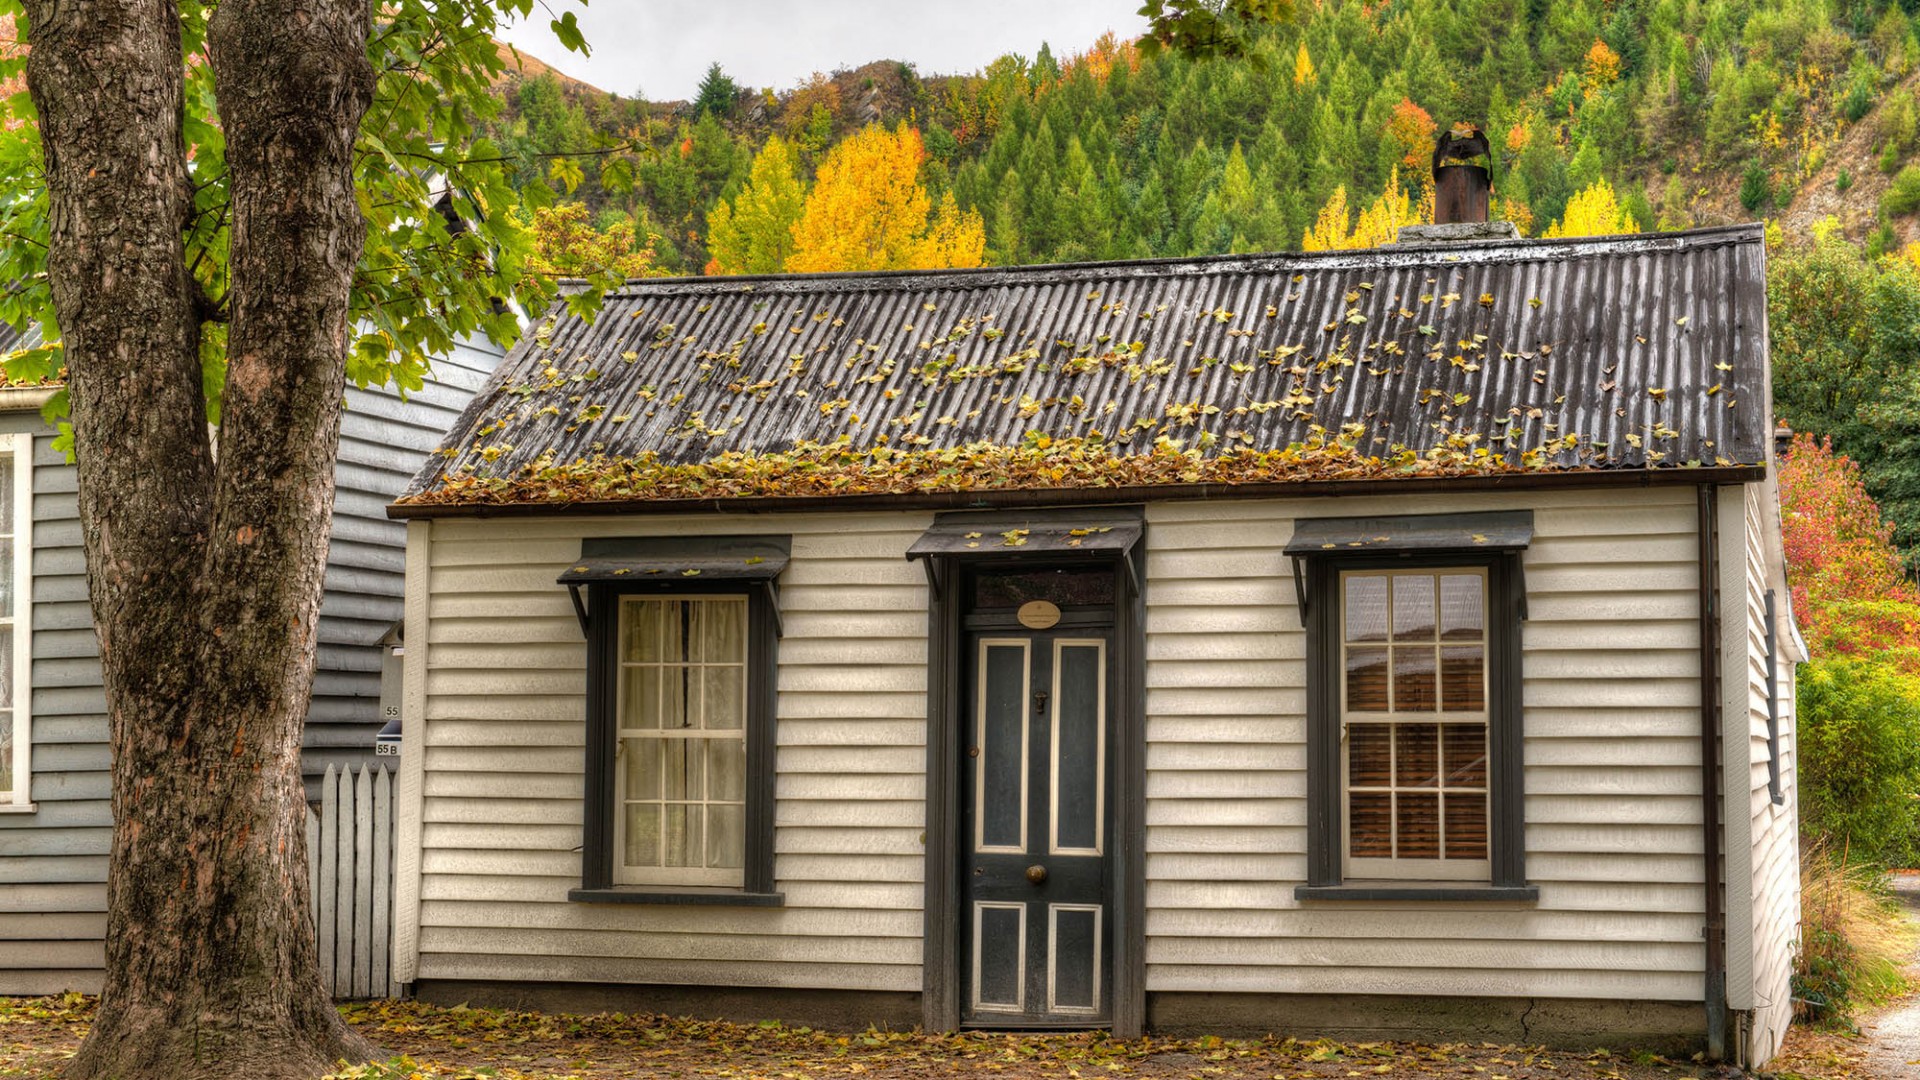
(350, 862)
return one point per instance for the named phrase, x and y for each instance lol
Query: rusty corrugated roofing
(1617, 353)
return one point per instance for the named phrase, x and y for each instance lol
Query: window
(682, 635)
(1414, 719)
(1413, 686)
(16, 623)
(681, 763)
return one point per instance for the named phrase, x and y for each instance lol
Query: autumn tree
(1335, 229)
(1595, 211)
(869, 211)
(809, 113)
(567, 245)
(1848, 588)
(1602, 67)
(753, 232)
(1411, 130)
(223, 211)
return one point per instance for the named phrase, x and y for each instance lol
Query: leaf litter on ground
(464, 1043)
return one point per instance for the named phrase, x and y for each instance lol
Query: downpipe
(1715, 929)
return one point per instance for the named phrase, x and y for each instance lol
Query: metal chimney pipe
(1461, 191)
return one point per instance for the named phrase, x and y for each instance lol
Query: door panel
(1001, 734)
(1035, 875)
(1079, 748)
(1073, 958)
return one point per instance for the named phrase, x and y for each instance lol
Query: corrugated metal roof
(1646, 351)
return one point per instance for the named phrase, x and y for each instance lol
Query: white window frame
(1397, 868)
(623, 874)
(20, 448)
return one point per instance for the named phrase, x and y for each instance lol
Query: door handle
(1037, 874)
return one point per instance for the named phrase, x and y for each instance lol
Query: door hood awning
(672, 558)
(1106, 531)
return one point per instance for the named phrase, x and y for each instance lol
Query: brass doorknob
(1037, 874)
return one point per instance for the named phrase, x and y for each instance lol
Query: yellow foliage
(1505, 209)
(1329, 232)
(1603, 67)
(868, 211)
(753, 234)
(1303, 72)
(1594, 212)
(1378, 224)
(1909, 255)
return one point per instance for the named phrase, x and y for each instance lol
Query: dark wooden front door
(1036, 926)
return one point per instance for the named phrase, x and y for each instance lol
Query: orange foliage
(1848, 591)
(1603, 67)
(868, 211)
(1412, 129)
(1106, 52)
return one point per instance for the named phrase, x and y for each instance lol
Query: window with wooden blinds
(1413, 720)
(1415, 778)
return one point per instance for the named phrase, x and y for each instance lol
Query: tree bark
(205, 578)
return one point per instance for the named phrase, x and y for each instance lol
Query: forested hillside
(1694, 112)
(1605, 117)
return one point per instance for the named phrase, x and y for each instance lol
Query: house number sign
(1039, 614)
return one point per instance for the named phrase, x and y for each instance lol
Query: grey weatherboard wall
(53, 861)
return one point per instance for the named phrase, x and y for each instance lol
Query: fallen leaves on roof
(813, 470)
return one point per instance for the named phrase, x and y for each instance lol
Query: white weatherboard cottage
(1091, 681)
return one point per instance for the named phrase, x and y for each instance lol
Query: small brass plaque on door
(1039, 614)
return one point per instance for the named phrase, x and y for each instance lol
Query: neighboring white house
(56, 823)
(1365, 643)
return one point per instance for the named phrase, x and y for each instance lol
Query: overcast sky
(663, 47)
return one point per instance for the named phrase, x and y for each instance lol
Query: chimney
(1462, 192)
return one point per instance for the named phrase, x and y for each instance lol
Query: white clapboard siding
(54, 861)
(1612, 764)
(1612, 793)
(1775, 829)
(383, 440)
(501, 752)
(350, 868)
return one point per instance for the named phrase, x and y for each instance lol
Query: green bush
(1903, 195)
(1756, 188)
(1882, 241)
(1860, 759)
(1843, 181)
(1860, 95)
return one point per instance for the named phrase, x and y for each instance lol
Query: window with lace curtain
(683, 642)
(681, 760)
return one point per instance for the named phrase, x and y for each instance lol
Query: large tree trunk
(205, 577)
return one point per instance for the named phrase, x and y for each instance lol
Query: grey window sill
(1377, 891)
(662, 894)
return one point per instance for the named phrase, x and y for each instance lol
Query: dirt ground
(457, 1044)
